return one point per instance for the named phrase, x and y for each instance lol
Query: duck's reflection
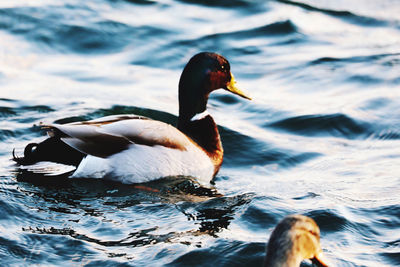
(207, 211)
(215, 214)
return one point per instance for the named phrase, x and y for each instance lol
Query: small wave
(18, 116)
(242, 150)
(83, 39)
(7, 112)
(235, 253)
(388, 59)
(387, 217)
(308, 195)
(355, 68)
(6, 134)
(277, 28)
(257, 218)
(338, 125)
(15, 250)
(8, 100)
(105, 36)
(98, 37)
(141, 2)
(221, 3)
(387, 134)
(37, 108)
(364, 79)
(393, 257)
(343, 14)
(328, 220)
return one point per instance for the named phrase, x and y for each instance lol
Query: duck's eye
(222, 68)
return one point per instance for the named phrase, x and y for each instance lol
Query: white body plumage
(141, 163)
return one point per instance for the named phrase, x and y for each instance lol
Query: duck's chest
(204, 132)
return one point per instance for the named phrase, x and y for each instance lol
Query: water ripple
(343, 14)
(320, 138)
(338, 125)
(237, 147)
(97, 37)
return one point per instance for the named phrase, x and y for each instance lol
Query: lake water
(321, 136)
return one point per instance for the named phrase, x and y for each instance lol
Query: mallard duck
(135, 149)
(293, 240)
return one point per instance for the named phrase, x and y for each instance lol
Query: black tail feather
(16, 158)
(27, 158)
(51, 149)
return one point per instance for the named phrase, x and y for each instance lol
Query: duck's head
(294, 239)
(204, 73)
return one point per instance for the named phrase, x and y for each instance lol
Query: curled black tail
(52, 149)
(28, 158)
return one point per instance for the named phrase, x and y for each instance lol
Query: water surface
(320, 137)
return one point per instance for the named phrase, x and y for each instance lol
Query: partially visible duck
(293, 240)
(134, 149)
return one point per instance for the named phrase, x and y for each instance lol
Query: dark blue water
(321, 136)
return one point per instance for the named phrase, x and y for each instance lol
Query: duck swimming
(135, 149)
(293, 240)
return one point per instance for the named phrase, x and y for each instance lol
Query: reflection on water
(320, 137)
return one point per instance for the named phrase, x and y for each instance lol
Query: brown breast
(204, 133)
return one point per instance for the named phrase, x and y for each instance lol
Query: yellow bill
(231, 87)
(320, 260)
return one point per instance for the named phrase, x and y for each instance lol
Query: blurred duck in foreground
(134, 149)
(293, 240)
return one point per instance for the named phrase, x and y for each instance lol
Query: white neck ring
(200, 116)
